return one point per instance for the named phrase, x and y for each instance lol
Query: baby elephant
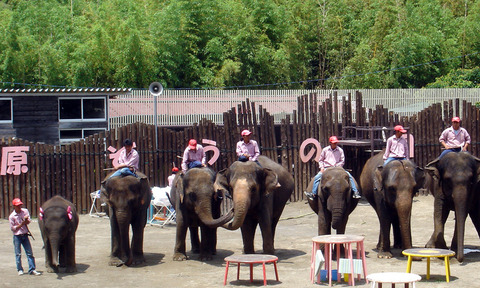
(58, 221)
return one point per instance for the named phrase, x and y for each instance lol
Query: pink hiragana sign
(14, 160)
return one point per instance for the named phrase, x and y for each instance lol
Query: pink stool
(329, 241)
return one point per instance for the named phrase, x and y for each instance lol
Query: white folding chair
(163, 212)
(94, 211)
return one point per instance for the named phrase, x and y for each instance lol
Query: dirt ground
(293, 245)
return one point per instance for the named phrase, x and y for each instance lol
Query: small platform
(251, 259)
(393, 278)
(429, 253)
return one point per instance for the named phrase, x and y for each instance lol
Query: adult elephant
(334, 202)
(390, 191)
(128, 199)
(260, 192)
(455, 187)
(58, 222)
(197, 205)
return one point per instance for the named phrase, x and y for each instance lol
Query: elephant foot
(179, 257)
(269, 251)
(138, 260)
(205, 257)
(71, 269)
(195, 250)
(52, 269)
(115, 261)
(384, 255)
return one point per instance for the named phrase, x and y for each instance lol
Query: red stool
(251, 259)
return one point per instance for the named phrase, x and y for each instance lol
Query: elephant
(390, 191)
(197, 205)
(128, 199)
(455, 186)
(58, 222)
(334, 202)
(260, 192)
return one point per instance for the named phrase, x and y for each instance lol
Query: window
(6, 110)
(72, 135)
(81, 109)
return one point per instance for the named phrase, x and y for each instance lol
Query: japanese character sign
(14, 160)
(307, 157)
(212, 147)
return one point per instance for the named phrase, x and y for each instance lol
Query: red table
(251, 259)
(329, 241)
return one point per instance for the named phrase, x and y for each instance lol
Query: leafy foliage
(240, 43)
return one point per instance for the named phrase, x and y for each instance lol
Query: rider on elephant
(128, 161)
(397, 146)
(172, 177)
(247, 150)
(331, 156)
(454, 138)
(193, 156)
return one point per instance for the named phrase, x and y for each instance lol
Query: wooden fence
(77, 169)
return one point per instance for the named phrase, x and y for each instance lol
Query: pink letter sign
(14, 160)
(306, 158)
(213, 147)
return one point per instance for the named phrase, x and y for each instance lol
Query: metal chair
(162, 209)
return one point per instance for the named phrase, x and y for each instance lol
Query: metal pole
(155, 120)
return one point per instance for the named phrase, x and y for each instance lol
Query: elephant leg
(179, 253)
(385, 224)
(62, 257)
(440, 215)
(475, 216)
(138, 230)
(48, 257)
(248, 234)
(324, 220)
(205, 251)
(116, 252)
(70, 254)
(194, 240)
(397, 234)
(265, 223)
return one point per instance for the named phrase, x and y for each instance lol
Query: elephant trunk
(459, 234)
(337, 217)
(404, 211)
(241, 204)
(54, 245)
(124, 231)
(204, 212)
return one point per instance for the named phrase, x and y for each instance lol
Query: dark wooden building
(55, 116)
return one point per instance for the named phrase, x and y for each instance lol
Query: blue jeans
(123, 172)
(23, 240)
(444, 152)
(391, 159)
(243, 158)
(195, 164)
(318, 178)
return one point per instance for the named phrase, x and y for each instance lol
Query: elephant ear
(221, 182)
(378, 179)
(270, 181)
(179, 189)
(433, 178)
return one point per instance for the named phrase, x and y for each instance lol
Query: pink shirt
(396, 147)
(455, 141)
(331, 157)
(250, 148)
(170, 180)
(131, 160)
(17, 219)
(193, 155)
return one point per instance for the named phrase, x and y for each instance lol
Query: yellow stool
(428, 253)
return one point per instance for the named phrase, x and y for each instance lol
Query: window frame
(82, 119)
(70, 140)
(11, 111)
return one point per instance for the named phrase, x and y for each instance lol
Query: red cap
(246, 133)
(456, 119)
(17, 202)
(333, 139)
(400, 128)
(174, 169)
(192, 144)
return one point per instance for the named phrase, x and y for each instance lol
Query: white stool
(393, 278)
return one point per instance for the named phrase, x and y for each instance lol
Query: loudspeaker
(155, 88)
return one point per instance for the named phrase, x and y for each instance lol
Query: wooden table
(329, 241)
(393, 278)
(428, 253)
(251, 259)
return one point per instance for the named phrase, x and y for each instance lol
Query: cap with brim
(17, 202)
(333, 139)
(246, 133)
(400, 128)
(456, 119)
(192, 144)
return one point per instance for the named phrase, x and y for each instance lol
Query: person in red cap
(397, 146)
(193, 156)
(19, 219)
(247, 149)
(331, 156)
(171, 177)
(454, 138)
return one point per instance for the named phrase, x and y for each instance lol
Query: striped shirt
(396, 148)
(331, 157)
(250, 148)
(16, 219)
(455, 138)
